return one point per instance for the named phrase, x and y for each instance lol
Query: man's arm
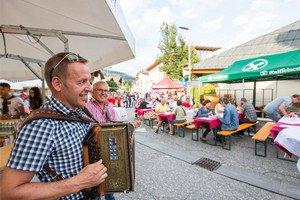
(15, 184)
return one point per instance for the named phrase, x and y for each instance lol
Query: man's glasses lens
(101, 90)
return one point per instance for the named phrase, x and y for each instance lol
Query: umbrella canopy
(270, 67)
(167, 83)
(33, 30)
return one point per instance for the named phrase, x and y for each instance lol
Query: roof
(206, 48)
(167, 83)
(152, 66)
(281, 40)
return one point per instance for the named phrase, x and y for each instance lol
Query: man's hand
(292, 114)
(91, 175)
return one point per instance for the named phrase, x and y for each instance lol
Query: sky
(222, 23)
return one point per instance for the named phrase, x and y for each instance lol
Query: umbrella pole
(254, 93)
(243, 88)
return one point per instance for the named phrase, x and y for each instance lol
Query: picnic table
(278, 127)
(212, 121)
(140, 112)
(167, 116)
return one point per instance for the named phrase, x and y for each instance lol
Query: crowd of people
(58, 144)
(14, 106)
(230, 113)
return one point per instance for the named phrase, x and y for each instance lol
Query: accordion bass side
(114, 144)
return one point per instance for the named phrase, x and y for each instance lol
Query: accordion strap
(45, 113)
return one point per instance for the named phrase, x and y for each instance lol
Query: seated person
(160, 108)
(219, 108)
(143, 104)
(173, 103)
(205, 111)
(12, 107)
(230, 119)
(249, 111)
(186, 103)
(180, 114)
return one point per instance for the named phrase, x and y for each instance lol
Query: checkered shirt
(250, 112)
(55, 142)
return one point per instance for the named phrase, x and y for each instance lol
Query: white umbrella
(31, 30)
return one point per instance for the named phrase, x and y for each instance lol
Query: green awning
(270, 67)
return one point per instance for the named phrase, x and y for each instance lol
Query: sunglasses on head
(71, 57)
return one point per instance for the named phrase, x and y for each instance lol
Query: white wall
(155, 75)
(280, 88)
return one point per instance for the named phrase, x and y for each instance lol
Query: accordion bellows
(114, 144)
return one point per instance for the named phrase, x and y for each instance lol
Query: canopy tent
(167, 83)
(33, 30)
(281, 66)
(277, 66)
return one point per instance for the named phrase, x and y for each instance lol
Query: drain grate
(208, 164)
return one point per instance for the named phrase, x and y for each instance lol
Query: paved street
(159, 176)
(164, 170)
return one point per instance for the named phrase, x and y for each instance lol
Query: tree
(127, 86)
(113, 86)
(174, 52)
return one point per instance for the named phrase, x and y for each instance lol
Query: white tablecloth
(121, 114)
(289, 138)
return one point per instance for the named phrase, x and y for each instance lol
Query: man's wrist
(73, 184)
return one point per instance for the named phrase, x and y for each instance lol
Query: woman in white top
(219, 108)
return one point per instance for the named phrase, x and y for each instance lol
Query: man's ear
(56, 84)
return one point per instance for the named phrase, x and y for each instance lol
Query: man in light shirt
(277, 108)
(160, 108)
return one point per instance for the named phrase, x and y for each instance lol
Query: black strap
(5, 105)
(183, 110)
(44, 113)
(52, 172)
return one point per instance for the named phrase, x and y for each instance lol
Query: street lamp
(189, 51)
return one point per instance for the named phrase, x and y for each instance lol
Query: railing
(263, 96)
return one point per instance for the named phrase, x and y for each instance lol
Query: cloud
(193, 8)
(212, 25)
(259, 19)
(151, 21)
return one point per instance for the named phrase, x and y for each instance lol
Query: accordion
(114, 144)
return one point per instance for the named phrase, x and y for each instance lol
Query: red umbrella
(167, 83)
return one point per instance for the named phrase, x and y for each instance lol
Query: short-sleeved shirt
(13, 105)
(55, 142)
(180, 113)
(249, 112)
(273, 106)
(102, 116)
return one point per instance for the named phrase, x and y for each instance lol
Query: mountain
(124, 76)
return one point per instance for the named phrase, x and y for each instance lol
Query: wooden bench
(228, 134)
(182, 125)
(261, 137)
